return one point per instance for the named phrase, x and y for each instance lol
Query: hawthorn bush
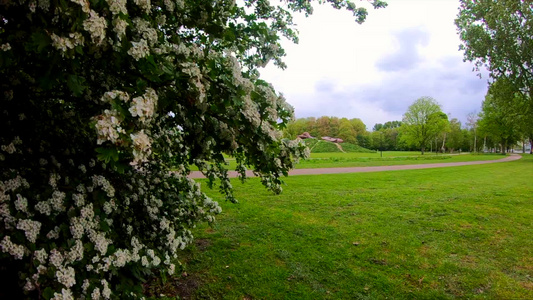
(106, 105)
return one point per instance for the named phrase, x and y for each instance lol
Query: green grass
(340, 160)
(391, 158)
(320, 146)
(462, 232)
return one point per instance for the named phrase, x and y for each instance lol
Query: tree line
(424, 127)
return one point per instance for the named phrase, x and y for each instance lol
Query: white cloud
(374, 71)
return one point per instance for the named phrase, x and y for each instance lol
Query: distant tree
(358, 126)
(346, 131)
(455, 136)
(334, 124)
(323, 126)
(472, 122)
(422, 122)
(392, 124)
(364, 140)
(295, 128)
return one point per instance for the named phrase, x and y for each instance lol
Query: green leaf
(48, 293)
(107, 154)
(76, 84)
(38, 41)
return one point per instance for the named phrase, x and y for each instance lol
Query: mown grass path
(316, 171)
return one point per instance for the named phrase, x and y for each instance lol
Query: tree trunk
(531, 146)
(422, 150)
(475, 141)
(443, 143)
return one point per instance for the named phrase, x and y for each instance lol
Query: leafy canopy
(422, 122)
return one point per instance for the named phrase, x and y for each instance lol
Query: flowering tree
(106, 105)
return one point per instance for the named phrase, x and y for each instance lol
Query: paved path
(197, 174)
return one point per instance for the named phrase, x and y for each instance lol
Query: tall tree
(499, 117)
(422, 122)
(498, 34)
(106, 106)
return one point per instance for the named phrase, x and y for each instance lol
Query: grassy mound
(321, 146)
(348, 147)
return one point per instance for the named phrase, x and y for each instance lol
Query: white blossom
(117, 6)
(21, 203)
(143, 107)
(66, 294)
(31, 229)
(108, 127)
(144, 4)
(145, 31)
(5, 47)
(10, 149)
(96, 26)
(171, 269)
(57, 201)
(119, 27)
(66, 276)
(9, 247)
(95, 295)
(40, 255)
(53, 234)
(56, 258)
(106, 291)
(84, 5)
(141, 146)
(139, 49)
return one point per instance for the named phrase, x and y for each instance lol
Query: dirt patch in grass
(186, 286)
(202, 244)
(182, 286)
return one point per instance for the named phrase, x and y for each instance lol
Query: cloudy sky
(374, 71)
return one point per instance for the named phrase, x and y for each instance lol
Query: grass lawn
(461, 232)
(339, 160)
(390, 158)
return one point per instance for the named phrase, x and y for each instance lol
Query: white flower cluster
(143, 106)
(102, 182)
(31, 229)
(117, 6)
(66, 294)
(84, 5)
(108, 127)
(139, 49)
(96, 26)
(9, 247)
(119, 27)
(21, 203)
(5, 47)
(66, 276)
(145, 31)
(144, 4)
(10, 149)
(195, 79)
(141, 146)
(67, 43)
